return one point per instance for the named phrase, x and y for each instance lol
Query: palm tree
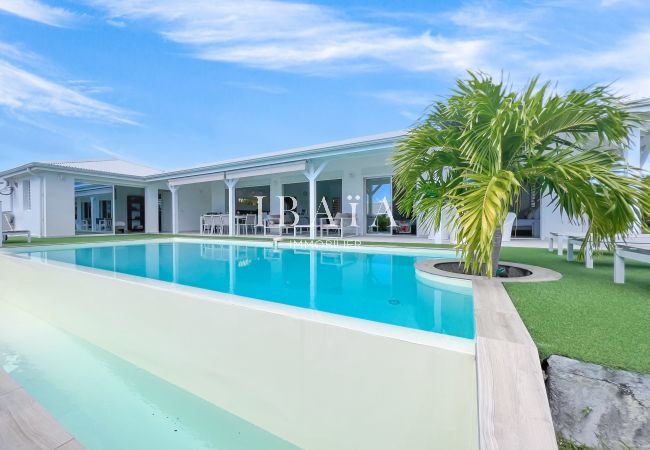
(470, 156)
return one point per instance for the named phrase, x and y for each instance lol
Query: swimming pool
(132, 410)
(381, 287)
(315, 349)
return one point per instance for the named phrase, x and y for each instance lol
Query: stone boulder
(599, 407)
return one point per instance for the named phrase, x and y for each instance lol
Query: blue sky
(173, 83)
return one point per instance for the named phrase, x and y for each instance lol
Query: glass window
(379, 194)
(246, 201)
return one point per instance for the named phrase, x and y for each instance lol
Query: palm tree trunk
(496, 250)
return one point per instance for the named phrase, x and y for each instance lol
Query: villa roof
(140, 173)
(114, 166)
(292, 154)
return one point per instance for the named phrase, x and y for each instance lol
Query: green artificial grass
(583, 316)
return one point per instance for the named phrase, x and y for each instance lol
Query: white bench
(637, 252)
(589, 251)
(560, 238)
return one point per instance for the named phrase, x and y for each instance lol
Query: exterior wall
(552, 221)
(218, 189)
(7, 202)
(193, 201)
(29, 219)
(166, 213)
(151, 209)
(59, 205)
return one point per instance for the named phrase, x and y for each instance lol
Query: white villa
(64, 198)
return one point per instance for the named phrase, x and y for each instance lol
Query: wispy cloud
(480, 16)
(294, 36)
(108, 152)
(23, 91)
(38, 12)
(625, 62)
(265, 88)
(401, 97)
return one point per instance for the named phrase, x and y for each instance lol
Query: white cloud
(277, 35)
(38, 12)
(24, 91)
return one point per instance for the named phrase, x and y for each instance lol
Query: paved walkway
(26, 425)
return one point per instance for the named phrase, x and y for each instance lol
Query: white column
(312, 173)
(93, 212)
(174, 190)
(151, 209)
(231, 205)
(275, 189)
(78, 206)
(633, 150)
(113, 218)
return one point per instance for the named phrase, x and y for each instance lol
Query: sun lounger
(589, 251)
(560, 239)
(8, 228)
(637, 252)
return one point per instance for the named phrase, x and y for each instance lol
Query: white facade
(43, 198)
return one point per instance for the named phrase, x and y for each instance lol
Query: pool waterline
(372, 283)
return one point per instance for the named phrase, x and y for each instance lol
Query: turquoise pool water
(109, 404)
(373, 286)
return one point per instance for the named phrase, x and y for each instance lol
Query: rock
(599, 407)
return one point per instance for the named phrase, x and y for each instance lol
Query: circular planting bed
(504, 271)
(508, 271)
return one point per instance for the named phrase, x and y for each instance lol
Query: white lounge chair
(120, 226)
(341, 222)
(272, 222)
(637, 252)
(9, 227)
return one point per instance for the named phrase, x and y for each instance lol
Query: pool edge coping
(37, 426)
(513, 408)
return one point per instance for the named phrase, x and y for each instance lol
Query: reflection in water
(379, 287)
